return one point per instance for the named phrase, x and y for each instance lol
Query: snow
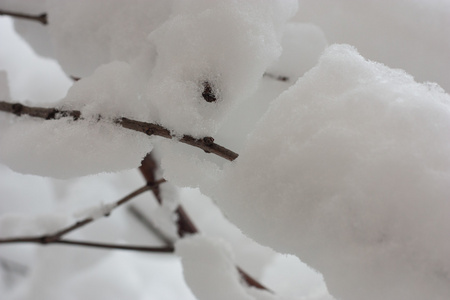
(293, 279)
(23, 6)
(65, 148)
(116, 94)
(31, 78)
(407, 34)
(210, 260)
(4, 87)
(355, 156)
(96, 212)
(345, 164)
(116, 31)
(16, 225)
(302, 46)
(215, 51)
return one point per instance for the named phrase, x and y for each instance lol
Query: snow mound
(87, 34)
(65, 148)
(210, 54)
(350, 170)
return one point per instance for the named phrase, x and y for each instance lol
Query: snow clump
(350, 170)
(210, 271)
(219, 47)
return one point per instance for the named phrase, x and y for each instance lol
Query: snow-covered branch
(206, 144)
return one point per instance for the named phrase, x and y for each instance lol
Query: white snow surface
(4, 87)
(87, 34)
(226, 44)
(408, 34)
(210, 272)
(65, 148)
(23, 6)
(19, 225)
(350, 170)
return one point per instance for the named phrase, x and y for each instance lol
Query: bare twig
(40, 240)
(59, 234)
(164, 249)
(206, 144)
(148, 224)
(56, 237)
(42, 18)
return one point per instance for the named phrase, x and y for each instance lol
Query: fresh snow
(345, 164)
(350, 170)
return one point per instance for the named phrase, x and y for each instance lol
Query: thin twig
(206, 144)
(59, 234)
(37, 240)
(56, 237)
(164, 249)
(42, 18)
(148, 224)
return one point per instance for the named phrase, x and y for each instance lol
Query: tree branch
(206, 144)
(56, 237)
(148, 224)
(42, 18)
(41, 240)
(184, 222)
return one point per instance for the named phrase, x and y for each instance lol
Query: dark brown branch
(148, 169)
(148, 224)
(56, 237)
(206, 144)
(165, 249)
(184, 223)
(42, 18)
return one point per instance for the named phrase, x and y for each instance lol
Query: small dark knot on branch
(208, 93)
(52, 114)
(47, 239)
(150, 131)
(208, 140)
(43, 19)
(17, 109)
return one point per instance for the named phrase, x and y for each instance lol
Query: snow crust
(353, 162)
